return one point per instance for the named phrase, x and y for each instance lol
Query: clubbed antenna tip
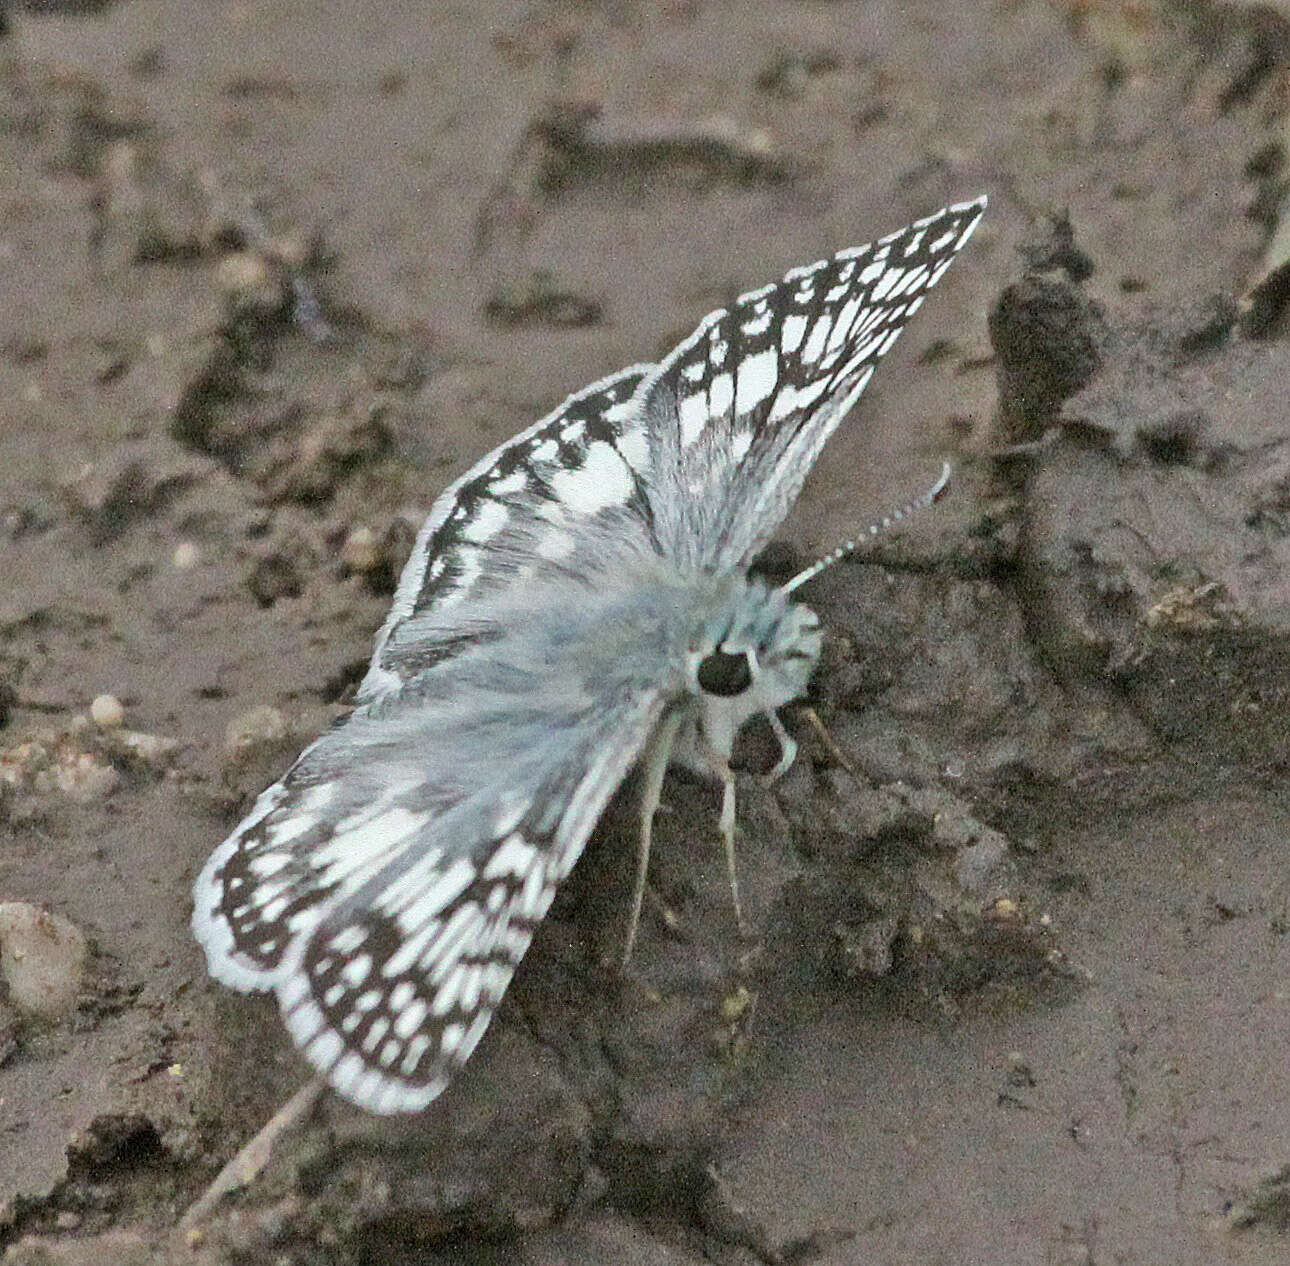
(933, 494)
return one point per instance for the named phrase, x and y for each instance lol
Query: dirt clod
(42, 960)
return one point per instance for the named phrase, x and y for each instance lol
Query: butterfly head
(755, 654)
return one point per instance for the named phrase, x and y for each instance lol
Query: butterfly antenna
(933, 494)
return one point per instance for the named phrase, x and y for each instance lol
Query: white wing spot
(912, 280)
(601, 481)
(410, 951)
(791, 399)
(348, 1071)
(514, 856)
(845, 319)
(505, 485)
(326, 1048)
(356, 970)
(490, 517)
(450, 1038)
(460, 930)
(634, 445)
(347, 940)
(536, 895)
(271, 912)
(417, 1047)
(266, 865)
(817, 338)
(375, 1034)
(792, 333)
(279, 833)
(757, 378)
(439, 895)
(510, 813)
(720, 394)
(938, 272)
(475, 1032)
(693, 414)
(887, 282)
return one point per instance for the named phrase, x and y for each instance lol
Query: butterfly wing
(737, 415)
(520, 514)
(388, 885)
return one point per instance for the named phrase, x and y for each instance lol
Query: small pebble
(361, 551)
(42, 959)
(106, 712)
(254, 730)
(1020, 1073)
(1002, 910)
(185, 556)
(249, 282)
(150, 750)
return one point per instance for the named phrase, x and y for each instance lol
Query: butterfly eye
(723, 674)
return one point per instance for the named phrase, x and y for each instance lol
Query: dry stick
(247, 1165)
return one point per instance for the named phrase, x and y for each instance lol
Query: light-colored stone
(106, 712)
(253, 731)
(361, 551)
(42, 959)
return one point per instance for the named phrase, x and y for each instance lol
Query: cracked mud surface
(1018, 990)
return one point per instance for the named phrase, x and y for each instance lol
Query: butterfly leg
(787, 748)
(866, 772)
(726, 825)
(653, 768)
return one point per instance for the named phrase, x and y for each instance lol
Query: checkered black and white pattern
(583, 589)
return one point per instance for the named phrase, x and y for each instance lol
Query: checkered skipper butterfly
(574, 604)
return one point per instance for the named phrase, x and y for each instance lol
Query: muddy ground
(271, 275)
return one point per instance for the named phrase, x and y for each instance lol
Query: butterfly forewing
(737, 415)
(518, 515)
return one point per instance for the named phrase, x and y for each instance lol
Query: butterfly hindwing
(388, 885)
